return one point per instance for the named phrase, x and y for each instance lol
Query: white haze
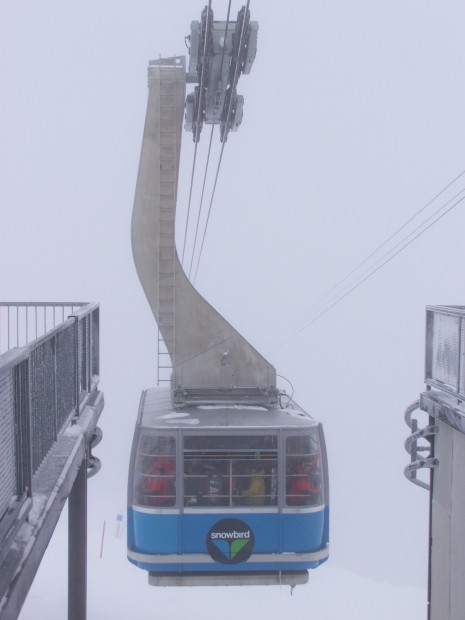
(353, 120)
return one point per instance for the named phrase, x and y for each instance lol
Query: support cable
(209, 148)
(189, 205)
(201, 201)
(209, 211)
(223, 139)
(235, 78)
(371, 273)
(397, 231)
(403, 240)
(225, 134)
(199, 114)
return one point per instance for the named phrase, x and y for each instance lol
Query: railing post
(88, 352)
(23, 425)
(77, 369)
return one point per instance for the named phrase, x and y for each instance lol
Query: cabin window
(155, 472)
(303, 470)
(230, 470)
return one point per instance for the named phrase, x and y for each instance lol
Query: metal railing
(22, 322)
(48, 370)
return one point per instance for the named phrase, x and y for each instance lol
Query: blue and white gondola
(192, 517)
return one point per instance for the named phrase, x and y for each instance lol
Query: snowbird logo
(230, 541)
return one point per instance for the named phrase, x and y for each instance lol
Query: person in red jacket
(301, 491)
(159, 486)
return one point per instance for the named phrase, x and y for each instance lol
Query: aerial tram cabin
(226, 494)
(228, 479)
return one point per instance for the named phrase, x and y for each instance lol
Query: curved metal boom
(211, 360)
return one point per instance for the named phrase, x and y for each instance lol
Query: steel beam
(77, 546)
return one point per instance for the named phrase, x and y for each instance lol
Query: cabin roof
(156, 411)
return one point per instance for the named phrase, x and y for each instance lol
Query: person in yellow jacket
(256, 490)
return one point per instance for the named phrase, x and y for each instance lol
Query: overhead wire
(379, 247)
(357, 284)
(201, 200)
(237, 71)
(371, 273)
(209, 211)
(399, 243)
(379, 260)
(189, 204)
(374, 269)
(205, 174)
(196, 140)
(209, 151)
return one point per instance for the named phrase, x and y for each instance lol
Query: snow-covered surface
(191, 421)
(237, 407)
(73, 430)
(157, 411)
(38, 505)
(180, 418)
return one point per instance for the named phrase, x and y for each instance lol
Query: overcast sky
(353, 121)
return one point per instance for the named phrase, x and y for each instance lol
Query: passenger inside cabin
(204, 484)
(193, 482)
(159, 482)
(213, 486)
(256, 489)
(304, 489)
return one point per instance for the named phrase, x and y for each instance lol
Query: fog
(353, 121)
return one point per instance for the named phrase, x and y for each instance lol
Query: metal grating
(43, 402)
(445, 349)
(82, 355)
(8, 484)
(444, 368)
(65, 374)
(42, 383)
(95, 370)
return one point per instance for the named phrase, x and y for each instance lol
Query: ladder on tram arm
(164, 366)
